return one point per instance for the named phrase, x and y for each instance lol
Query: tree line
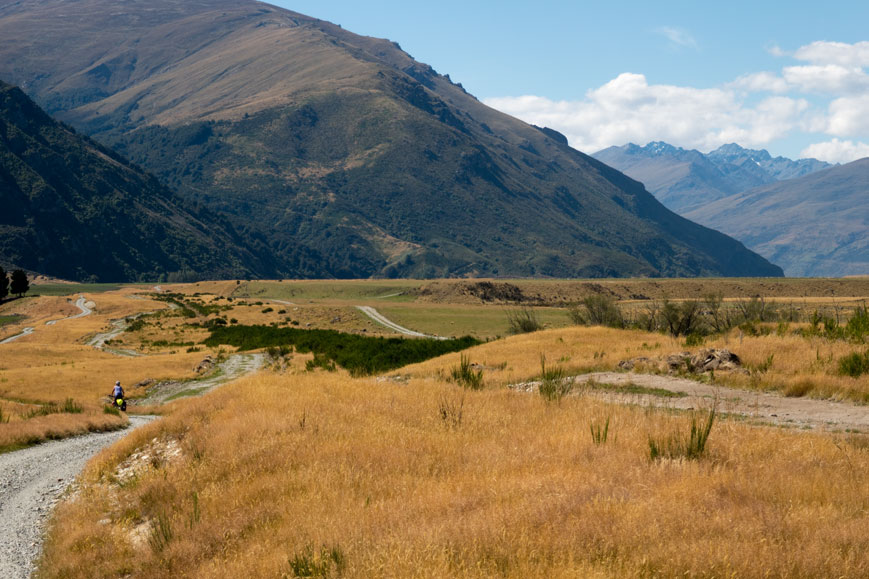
(17, 285)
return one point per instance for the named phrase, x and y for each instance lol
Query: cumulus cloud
(628, 109)
(836, 151)
(840, 53)
(754, 110)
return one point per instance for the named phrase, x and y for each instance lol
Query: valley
(276, 441)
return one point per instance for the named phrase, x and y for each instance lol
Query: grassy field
(278, 476)
(298, 471)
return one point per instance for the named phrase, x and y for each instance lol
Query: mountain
(685, 180)
(339, 154)
(74, 209)
(816, 225)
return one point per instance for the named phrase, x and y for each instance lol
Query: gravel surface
(31, 482)
(383, 320)
(763, 407)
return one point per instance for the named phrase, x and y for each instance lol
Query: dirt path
(381, 319)
(762, 407)
(85, 309)
(234, 367)
(31, 482)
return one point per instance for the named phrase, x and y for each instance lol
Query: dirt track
(761, 407)
(31, 481)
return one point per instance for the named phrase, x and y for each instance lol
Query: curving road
(31, 482)
(85, 307)
(381, 319)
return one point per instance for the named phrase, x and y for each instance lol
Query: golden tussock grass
(18, 432)
(277, 469)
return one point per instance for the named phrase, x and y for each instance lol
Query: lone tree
(19, 285)
(4, 284)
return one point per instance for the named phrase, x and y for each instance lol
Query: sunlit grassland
(54, 363)
(68, 289)
(275, 468)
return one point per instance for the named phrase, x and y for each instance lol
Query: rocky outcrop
(705, 360)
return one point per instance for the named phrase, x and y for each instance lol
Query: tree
(4, 284)
(19, 284)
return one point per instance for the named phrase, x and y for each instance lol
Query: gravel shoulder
(31, 482)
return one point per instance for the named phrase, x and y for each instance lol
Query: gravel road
(31, 482)
(381, 319)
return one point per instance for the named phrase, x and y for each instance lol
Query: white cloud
(849, 117)
(678, 37)
(755, 110)
(628, 109)
(840, 53)
(761, 82)
(826, 79)
(836, 151)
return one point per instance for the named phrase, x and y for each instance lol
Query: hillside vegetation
(340, 155)
(74, 209)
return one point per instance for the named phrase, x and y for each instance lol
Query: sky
(790, 77)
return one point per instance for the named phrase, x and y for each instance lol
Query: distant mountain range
(74, 209)
(816, 225)
(807, 216)
(337, 155)
(684, 180)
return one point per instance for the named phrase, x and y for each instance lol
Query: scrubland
(298, 471)
(321, 474)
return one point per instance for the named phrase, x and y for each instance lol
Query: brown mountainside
(315, 141)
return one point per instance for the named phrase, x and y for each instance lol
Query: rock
(706, 360)
(205, 365)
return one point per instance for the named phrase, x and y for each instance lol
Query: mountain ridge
(74, 209)
(686, 179)
(320, 142)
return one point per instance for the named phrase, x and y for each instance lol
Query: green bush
(598, 310)
(854, 364)
(523, 320)
(360, 355)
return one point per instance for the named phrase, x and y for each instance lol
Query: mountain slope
(684, 180)
(318, 142)
(74, 209)
(816, 225)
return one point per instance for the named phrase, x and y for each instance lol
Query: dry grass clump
(21, 431)
(359, 478)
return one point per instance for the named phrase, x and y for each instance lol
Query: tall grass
(465, 375)
(554, 383)
(676, 445)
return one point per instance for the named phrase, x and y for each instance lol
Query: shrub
(523, 320)
(677, 446)
(598, 310)
(854, 364)
(466, 376)
(554, 384)
(360, 355)
(857, 327)
(682, 319)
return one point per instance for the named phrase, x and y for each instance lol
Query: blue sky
(786, 76)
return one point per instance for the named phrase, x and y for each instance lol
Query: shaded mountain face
(685, 180)
(339, 154)
(816, 225)
(73, 209)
